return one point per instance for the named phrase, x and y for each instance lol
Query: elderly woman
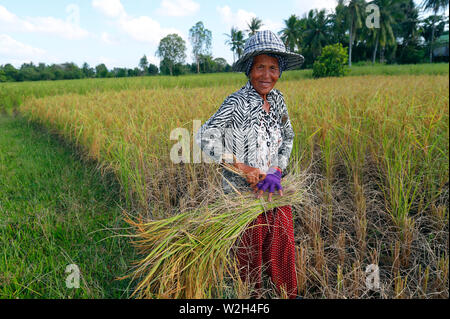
(252, 131)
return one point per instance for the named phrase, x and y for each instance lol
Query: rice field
(12, 95)
(374, 150)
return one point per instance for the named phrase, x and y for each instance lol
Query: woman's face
(264, 73)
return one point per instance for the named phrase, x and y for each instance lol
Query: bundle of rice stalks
(189, 255)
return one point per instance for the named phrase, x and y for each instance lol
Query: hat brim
(293, 60)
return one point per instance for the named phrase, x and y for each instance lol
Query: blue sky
(119, 32)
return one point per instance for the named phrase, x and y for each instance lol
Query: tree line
(396, 35)
(70, 70)
(384, 31)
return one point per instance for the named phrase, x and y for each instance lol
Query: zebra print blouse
(241, 127)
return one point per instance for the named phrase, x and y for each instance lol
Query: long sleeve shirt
(241, 127)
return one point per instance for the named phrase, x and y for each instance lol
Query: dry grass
(189, 255)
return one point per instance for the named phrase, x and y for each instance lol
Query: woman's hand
(271, 183)
(252, 175)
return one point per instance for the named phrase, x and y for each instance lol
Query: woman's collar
(250, 88)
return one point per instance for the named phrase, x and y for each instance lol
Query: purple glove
(272, 181)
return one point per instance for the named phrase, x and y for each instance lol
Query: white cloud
(225, 13)
(57, 27)
(302, 7)
(68, 29)
(9, 46)
(16, 53)
(178, 8)
(110, 8)
(6, 16)
(142, 28)
(106, 38)
(272, 26)
(139, 28)
(241, 18)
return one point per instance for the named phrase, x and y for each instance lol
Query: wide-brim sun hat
(264, 42)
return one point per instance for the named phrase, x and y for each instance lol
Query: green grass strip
(54, 211)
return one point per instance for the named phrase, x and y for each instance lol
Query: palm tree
(436, 6)
(236, 42)
(390, 13)
(291, 33)
(317, 34)
(230, 41)
(355, 10)
(426, 27)
(409, 27)
(240, 43)
(338, 23)
(408, 30)
(254, 26)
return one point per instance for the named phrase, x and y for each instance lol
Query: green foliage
(101, 71)
(3, 76)
(172, 50)
(207, 64)
(11, 73)
(88, 72)
(54, 211)
(200, 38)
(145, 68)
(437, 22)
(253, 26)
(317, 33)
(143, 64)
(332, 62)
(236, 41)
(168, 68)
(153, 69)
(120, 72)
(222, 65)
(411, 53)
(291, 34)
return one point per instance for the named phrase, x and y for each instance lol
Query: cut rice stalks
(189, 255)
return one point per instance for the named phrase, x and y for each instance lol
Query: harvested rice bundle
(189, 255)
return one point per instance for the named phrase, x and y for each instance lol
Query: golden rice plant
(189, 255)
